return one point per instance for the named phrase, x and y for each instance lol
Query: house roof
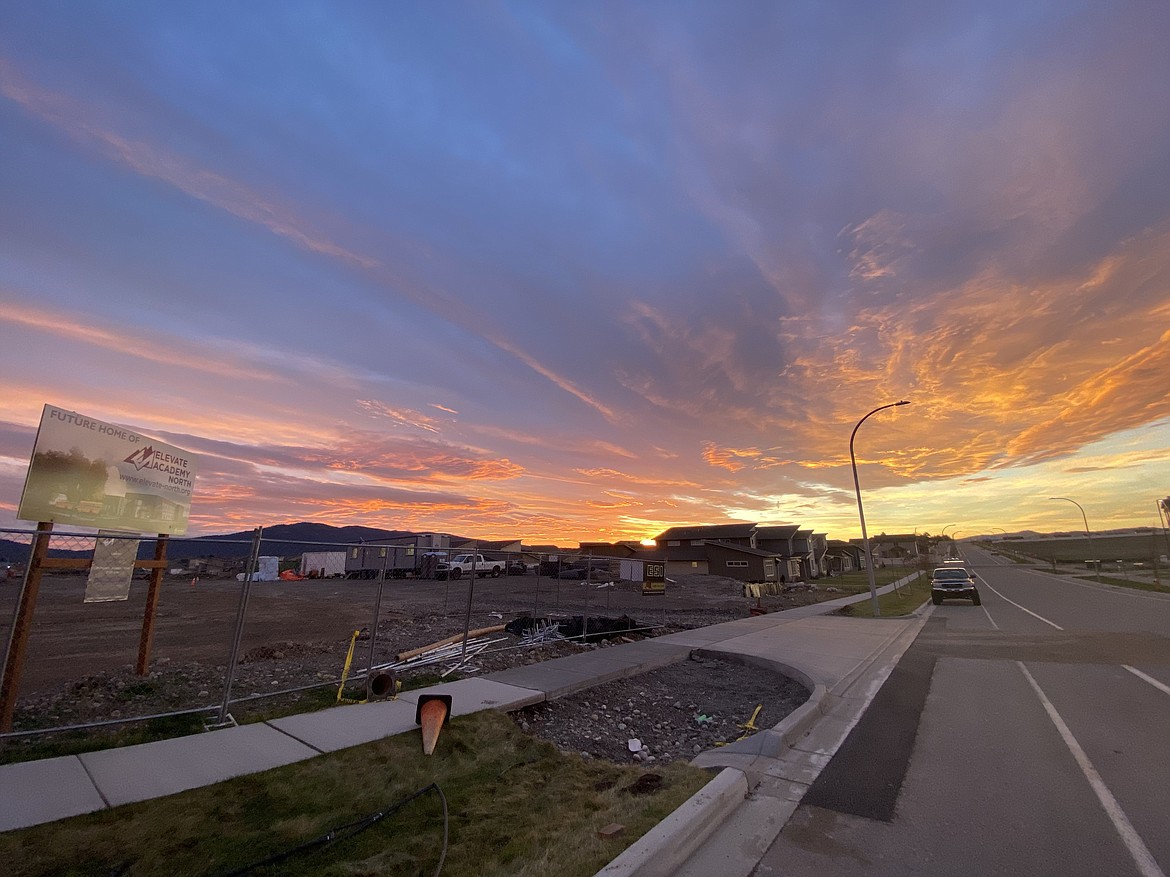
(613, 549)
(777, 531)
(708, 531)
(742, 549)
(837, 548)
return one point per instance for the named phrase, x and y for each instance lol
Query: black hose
(350, 829)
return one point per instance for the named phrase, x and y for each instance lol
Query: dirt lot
(80, 660)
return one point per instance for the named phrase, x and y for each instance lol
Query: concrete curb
(663, 849)
(700, 816)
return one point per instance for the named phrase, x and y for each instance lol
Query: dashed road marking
(1161, 686)
(1025, 608)
(1146, 863)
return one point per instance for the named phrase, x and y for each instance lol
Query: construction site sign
(94, 474)
(653, 579)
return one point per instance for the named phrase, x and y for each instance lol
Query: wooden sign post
(22, 624)
(146, 641)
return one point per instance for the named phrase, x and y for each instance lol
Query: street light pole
(861, 510)
(1088, 535)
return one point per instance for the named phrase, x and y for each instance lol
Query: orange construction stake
(433, 712)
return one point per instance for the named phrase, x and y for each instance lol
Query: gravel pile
(675, 712)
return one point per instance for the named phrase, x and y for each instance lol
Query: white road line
(1161, 686)
(989, 618)
(1025, 608)
(1142, 857)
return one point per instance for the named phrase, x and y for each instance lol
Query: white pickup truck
(462, 564)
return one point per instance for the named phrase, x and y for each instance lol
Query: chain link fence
(128, 627)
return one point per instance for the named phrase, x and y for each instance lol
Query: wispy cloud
(394, 277)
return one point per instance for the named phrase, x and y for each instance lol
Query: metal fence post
(377, 613)
(467, 619)
(588, 585)
(447, 583)
(253, 563)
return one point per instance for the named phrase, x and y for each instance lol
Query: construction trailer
(397, 558)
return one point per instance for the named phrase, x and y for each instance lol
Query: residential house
(843, 557)
(685, 548)
(896, 550)
(777, 539)
(807, 548)
(743, 562)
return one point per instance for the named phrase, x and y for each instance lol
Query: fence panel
(308, 612)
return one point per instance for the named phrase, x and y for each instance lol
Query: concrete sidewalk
(828, 654)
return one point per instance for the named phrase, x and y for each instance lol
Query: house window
(410, 551)
(382, 553)
(674, 543)
(694, 564)
(697, 542)
(354, 554)
(741, 564)
(769, 567)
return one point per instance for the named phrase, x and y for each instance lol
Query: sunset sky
(586, 270)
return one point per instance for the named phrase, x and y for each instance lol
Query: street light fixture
(1088, 535)
(943, 535)
(861, 511)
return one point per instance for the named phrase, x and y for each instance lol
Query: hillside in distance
(279, 539)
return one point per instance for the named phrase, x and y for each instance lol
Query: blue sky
(572, 271)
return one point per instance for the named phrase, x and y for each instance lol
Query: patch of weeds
(136, 689)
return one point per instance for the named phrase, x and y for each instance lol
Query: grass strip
(517, 806)
(857, 582)
(905, 600)
(1135, 584)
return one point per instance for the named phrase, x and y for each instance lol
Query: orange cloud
(628, 478)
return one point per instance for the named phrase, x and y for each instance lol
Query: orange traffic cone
(433, 712)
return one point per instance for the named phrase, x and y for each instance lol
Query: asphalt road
(1040, 746)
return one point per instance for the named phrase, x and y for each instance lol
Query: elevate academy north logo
(141, 458)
